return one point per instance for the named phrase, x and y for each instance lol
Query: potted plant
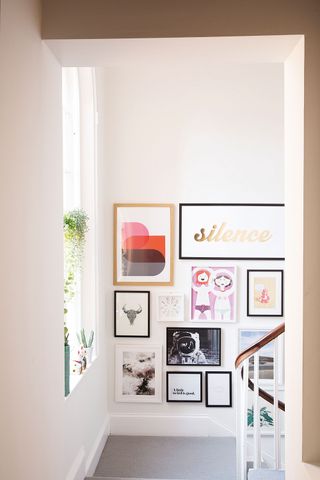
(75, 226)
(86, 343)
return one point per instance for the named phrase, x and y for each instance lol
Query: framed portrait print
(265, 293)
(170, 307)
(143, 244)
(193, 346)
(234, 231)
(184, 387)
(138, 373)
(131, 314)
(213, 294)
(247, 337)
(218, 389)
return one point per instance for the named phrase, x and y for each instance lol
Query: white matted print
(131, 313)
(184, 387)
(265, 293)
(143, 244)
(218, 389)
(138, 373)
(213, 294)
(231, 231)
(170, 307)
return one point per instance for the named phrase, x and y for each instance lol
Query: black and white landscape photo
(138, 373)
(193, 346)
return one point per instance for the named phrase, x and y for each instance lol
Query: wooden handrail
(269, 337)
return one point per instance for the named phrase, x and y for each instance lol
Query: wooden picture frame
(143, 244)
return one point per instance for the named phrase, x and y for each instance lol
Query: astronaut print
(193, 346)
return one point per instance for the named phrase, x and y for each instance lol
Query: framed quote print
(184, 387)
(131, 314)
(138, 373)
(213, 294)
(143, 244)
(265, 293)
(235, 231)
(218, 389)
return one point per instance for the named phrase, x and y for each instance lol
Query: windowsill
(75, 380)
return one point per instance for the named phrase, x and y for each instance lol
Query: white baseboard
(161, 425)
(85, 464)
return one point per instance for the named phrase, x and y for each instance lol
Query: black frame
(248, 294)
(181, 205)
(230, 389)
(193, 330)
(184, 373)
(147, 292)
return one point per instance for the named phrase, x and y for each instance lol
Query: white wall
(42, 435)
(213, 133)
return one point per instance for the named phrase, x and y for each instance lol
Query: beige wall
(43, 436)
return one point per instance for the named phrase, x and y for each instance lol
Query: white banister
(277, 432)
(256, 408)
(244, 416)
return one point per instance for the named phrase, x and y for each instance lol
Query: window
(79, 190)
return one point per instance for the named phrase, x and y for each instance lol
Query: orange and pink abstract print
(142, 254)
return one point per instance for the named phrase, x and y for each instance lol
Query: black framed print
(231, 231)
(194, 346)
(265, 293)
(219, 389)
(131, 313)
(184, 387)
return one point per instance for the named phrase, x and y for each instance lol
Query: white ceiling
(117, 52)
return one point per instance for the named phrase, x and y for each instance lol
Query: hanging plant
(75, 226)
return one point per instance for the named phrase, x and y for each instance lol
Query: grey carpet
(264, 474)
(174, 458)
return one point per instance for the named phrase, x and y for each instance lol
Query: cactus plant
(82, 339)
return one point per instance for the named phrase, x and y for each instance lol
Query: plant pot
(89, 352)
(66, 370)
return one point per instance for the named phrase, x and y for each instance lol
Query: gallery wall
(174, 134)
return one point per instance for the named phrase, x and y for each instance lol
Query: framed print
(248, 337)
(218, 389)
(131, 314)
(213, 294)
(143, 244)
(170, 307)
(194, 346)
(235, 231)
(265, 293)
(138, 373)
(184, 387)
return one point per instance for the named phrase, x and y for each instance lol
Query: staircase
(248, 366)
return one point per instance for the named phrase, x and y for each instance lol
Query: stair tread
(266, 474)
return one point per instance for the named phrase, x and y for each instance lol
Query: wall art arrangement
(219, 389)
(143, 244)
(231, 231)
(131, 314)
(210, 234)
(194, 346)
(170, 307)
(213, 294)
(184, 387)
(138, 373)
(265, 293)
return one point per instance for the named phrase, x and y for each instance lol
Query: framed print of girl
(213, 294)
